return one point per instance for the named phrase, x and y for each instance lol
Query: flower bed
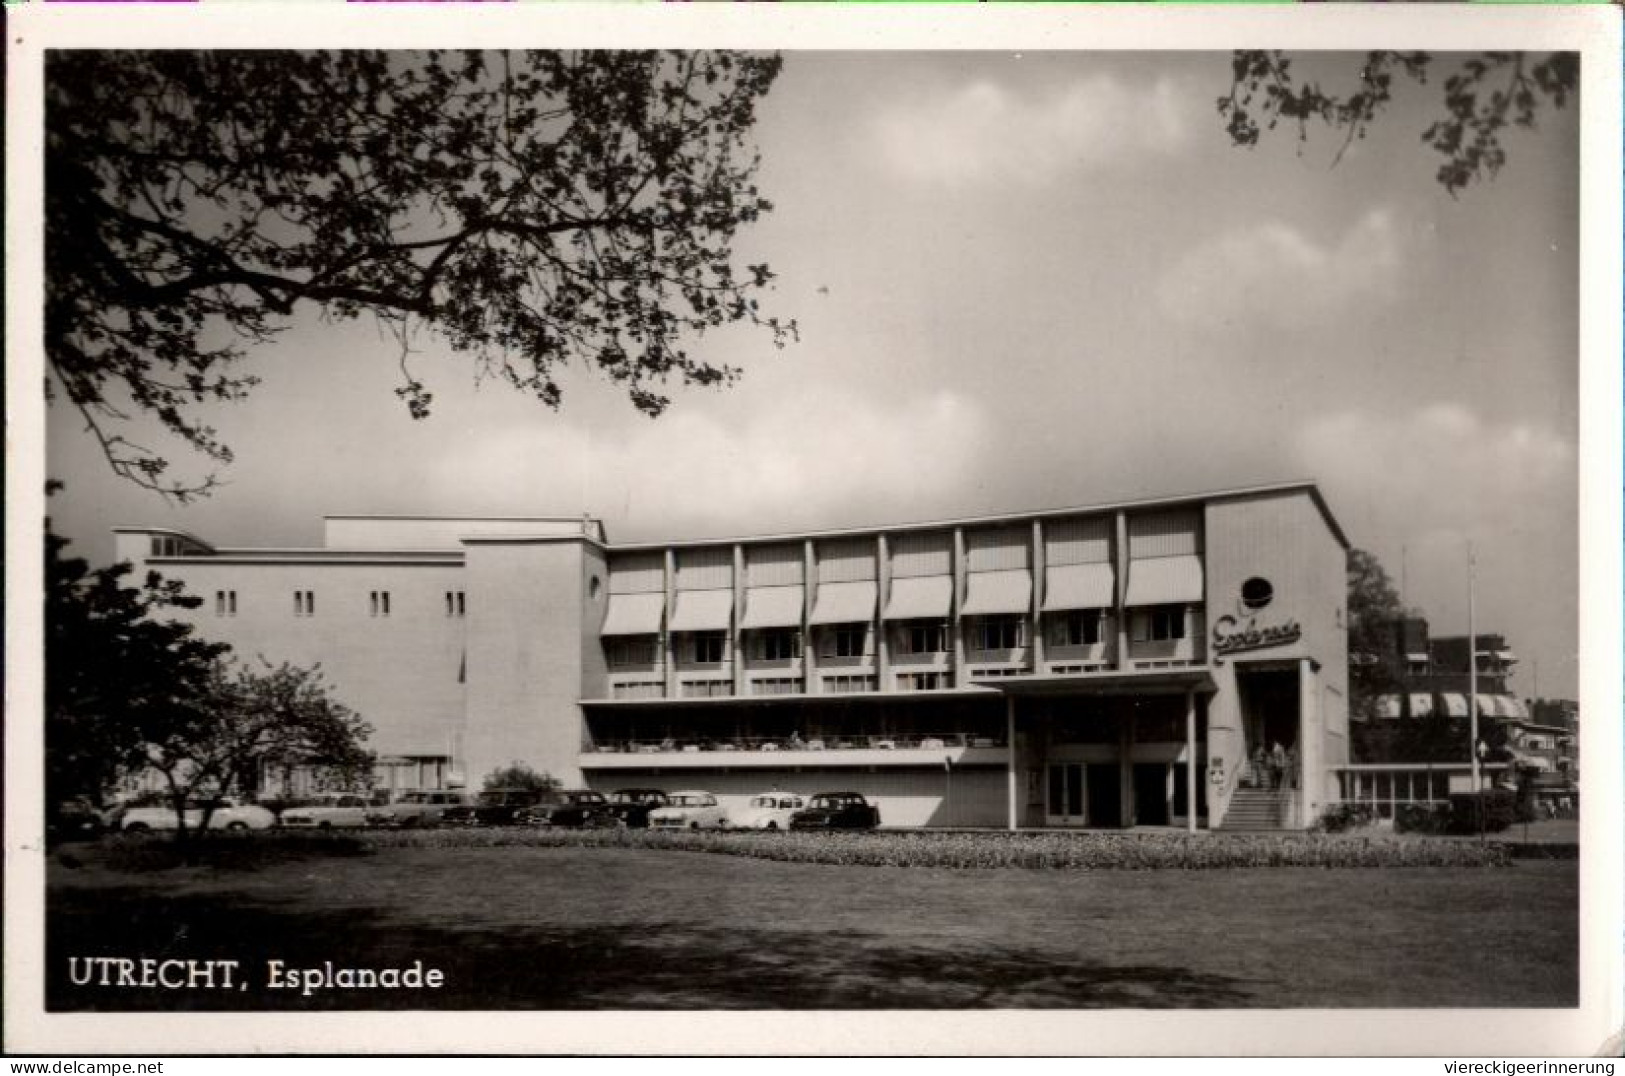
(972, 851)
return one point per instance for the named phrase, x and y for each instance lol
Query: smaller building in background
(1432, 675)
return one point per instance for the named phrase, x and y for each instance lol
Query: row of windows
(1084, 628)
(304, 603)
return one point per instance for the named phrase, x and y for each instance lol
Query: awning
(1416, 657)
(1421, 705)
(845, 603)
(1388, 707)
(1454, 704)
(772, 607)
(1507, 656)
(1495, 706)
(634, 614)
(920, 597)
(703, 610)
(997, 593)
(1515, 707)
(1079, 586)
(1165, 580)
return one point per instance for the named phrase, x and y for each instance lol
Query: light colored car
(227, 814)
(693, 809)
(421, 808)
(335, 810)
(769, 810)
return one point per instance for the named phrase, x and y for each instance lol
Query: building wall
(527, 649)
(1284, 539)
(402, 672)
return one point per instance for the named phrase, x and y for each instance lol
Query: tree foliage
(256, 720)
(1484, 96)
(519, 775)
(1374, 613)
(116, 671)
(533, 210)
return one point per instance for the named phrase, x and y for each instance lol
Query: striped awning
(845, 603)
(1079, 586)
(1388, 707)
(703, 610)
(1515, 706)
(998, 593)
(1165, 580)
(1455, 703)
(920, 597)
(772, 607)
(634, 614)
(1421, 705)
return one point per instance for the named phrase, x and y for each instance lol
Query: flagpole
(1472, 672)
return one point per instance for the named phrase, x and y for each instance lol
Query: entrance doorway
(1269, 701)
(1151, 794)
(1105, 794)
(1065, 804)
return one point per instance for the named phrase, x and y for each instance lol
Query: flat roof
(1301, 485)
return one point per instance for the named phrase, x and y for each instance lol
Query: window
(707, 689)
(930, 681)
(632, 650)
(380, 603)
(455, 605)
(779, 685)
(167, 547)
(1001, 633)
(779, 644)
(925, 638)
(707, 647)
(225, 603)
(849, 640)
(304, 603)
(839, 684)
(639, 689)
(1083, 627)
(1160, 623)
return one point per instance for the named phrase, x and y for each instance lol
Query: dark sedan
(837, 810)
(572, 809)
(631, 806)
(496, 807)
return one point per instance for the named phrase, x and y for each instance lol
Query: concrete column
(1120, 611)
(1012, 775)
(1190, 759)
(1309, 744)
(882, 628)
(736, 634)
(1036, 560)
(956, 628)
(669, 640)
(809, 655)
(1125, 771)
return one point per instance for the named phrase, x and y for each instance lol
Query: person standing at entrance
(1259, 766)
(1277, 765)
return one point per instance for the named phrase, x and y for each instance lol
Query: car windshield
(586, 797)
(693, 801)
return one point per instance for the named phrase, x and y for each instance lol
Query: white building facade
(1108, 666)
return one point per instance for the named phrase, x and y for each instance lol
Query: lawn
(638, 928)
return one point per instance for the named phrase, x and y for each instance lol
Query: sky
(1022, 281)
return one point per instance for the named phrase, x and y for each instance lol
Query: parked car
(574, 808)
(692, 809)
(420, 808)
(770, 810)
(226, 814)
(495, 807)
(631, 806)
(837, 810)
(76, 819)
(333, 810)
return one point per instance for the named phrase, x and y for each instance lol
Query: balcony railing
(844, 742)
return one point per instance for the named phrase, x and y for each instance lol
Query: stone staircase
(1257, 810)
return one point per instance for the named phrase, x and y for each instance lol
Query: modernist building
(1434, 676)
(1105, 666)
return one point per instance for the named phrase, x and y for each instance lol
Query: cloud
(986, 134)
(1273, 274)
(817, 460)
(1442, 473)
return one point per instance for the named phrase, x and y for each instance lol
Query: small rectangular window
(462, 606)
(383, 603)
(778, 645)
(925, 639)
(1001, 633)
(374, 604)
(1167, 622)
(449, 606)
(849, 640)
(219, 603)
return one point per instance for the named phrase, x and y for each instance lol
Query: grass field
(613, 928)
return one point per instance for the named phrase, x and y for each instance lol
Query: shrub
(1489, 811)
(1339, 817)
(990, 851)
(1422, 818)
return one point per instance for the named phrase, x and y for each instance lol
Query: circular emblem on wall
(1256, 593)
